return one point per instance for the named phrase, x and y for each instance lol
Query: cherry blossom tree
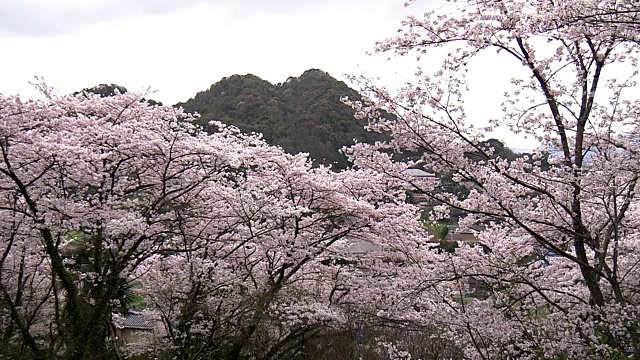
(557, 273)
(622, 17)
(238, 249)
(91, 188)
(280, 268)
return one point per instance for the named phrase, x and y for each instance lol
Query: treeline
(302, 114)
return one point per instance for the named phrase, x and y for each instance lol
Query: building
(132, 327)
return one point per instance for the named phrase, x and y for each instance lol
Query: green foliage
(439, 231)
(303, 114)
(449, 186)
(104, 90)
(11, 350)
(448, 246)
(152, 102)
(80, 253)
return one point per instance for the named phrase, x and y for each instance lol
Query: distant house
(422, 176)
(424, 181)
(132, 327)
(358, 247)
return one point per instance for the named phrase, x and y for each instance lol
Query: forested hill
(303, 114)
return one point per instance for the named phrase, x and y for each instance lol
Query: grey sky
(49, 18)
(179, 47)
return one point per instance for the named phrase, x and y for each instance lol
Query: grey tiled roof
(132, 321)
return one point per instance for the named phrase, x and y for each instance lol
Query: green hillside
(302, 114)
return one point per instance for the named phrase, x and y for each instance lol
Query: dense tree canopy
(232, 244)
(556, 276)
(232, 248)
(104, 90)
(303, 114)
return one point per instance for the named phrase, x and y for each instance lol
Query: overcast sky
(180, 47)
